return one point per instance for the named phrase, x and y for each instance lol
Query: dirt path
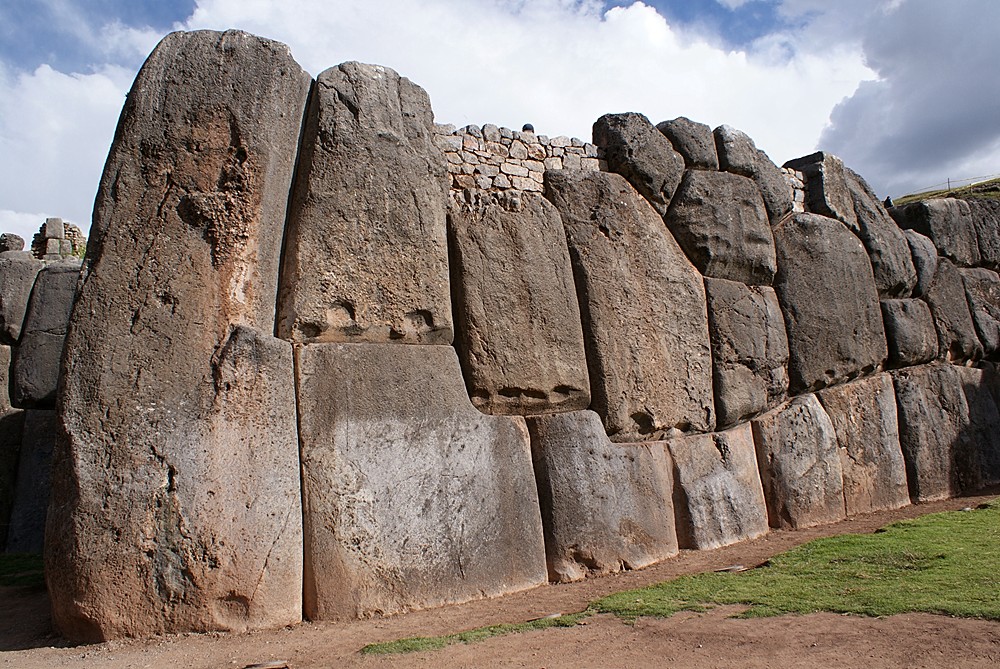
(685, 640)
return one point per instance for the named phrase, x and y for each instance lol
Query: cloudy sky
(907, 92)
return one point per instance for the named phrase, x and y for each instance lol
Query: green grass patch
(21, 570)
(419, 643)
(987, 190)
(945, 563)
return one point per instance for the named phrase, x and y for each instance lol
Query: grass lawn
(945, 563)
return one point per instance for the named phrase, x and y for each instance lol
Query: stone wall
(479, 359)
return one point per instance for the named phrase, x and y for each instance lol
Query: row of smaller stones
(58, 239)
(797, 181)
(491, 157)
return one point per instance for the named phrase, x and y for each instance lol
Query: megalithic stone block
(18, 270)
(719, 220)
(948, 222)
(366, 256)
(718, 498)
(828, 297)
(412, 498)
(956, 331)
(982, 288)
(864, 419)
(643, 308)
(978, 453)
(938, 441)
(694, 141)
(519, 337)
(635, 149)
(749, 350)
(827, 192)
(35, 370)
(909, 332)
(11, 428)
(739, 155)
(605, 507)
(888, 250)
(925, 261)
(26, 533)
(176, 503)
(799, 465)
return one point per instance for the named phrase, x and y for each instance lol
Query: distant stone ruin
(326, 359)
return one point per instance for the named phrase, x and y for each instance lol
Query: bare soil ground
(712, 639)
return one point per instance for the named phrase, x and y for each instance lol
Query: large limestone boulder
(925, 260)
(888, 250)
(749, 349)
(718, 498)
(909, 332)
(827, 192)
(719, 220)
(366, 255)
(986, 219)
(827, 294)
(35, 371)
(738, 154)
(11, 428)
(948, 223)
(412, 498)
(26, 533)
(605, 507)
(863, 414)
(799, 463)
(18, 270)
(643, 309)
(694, 141)
(978, 457)
(942, 456)
(176, 495)
(982, 288)
(518, 330)
(957, 338)
(635, 149)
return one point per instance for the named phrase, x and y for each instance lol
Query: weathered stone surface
(635, 149)
(949, 225)
(828, 297)
(749, 349)
(35, 370)
(909, 332)
(26, 533)
(982, 288)
(986, 220)
(518, 330)
(935, 433)
(412, 498)
(366, 255)
(11, 242)
(738, 154)
(863, 414)
(827, 192)
(799, 465)
(957, 339)
(18, 270)
(718, 498)
(605, 507)
(925, 260)
(643, 309)
(719, 220)
(978, 458)
(888, 250)
(176, 481)
(11, 427)
(694, 141)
